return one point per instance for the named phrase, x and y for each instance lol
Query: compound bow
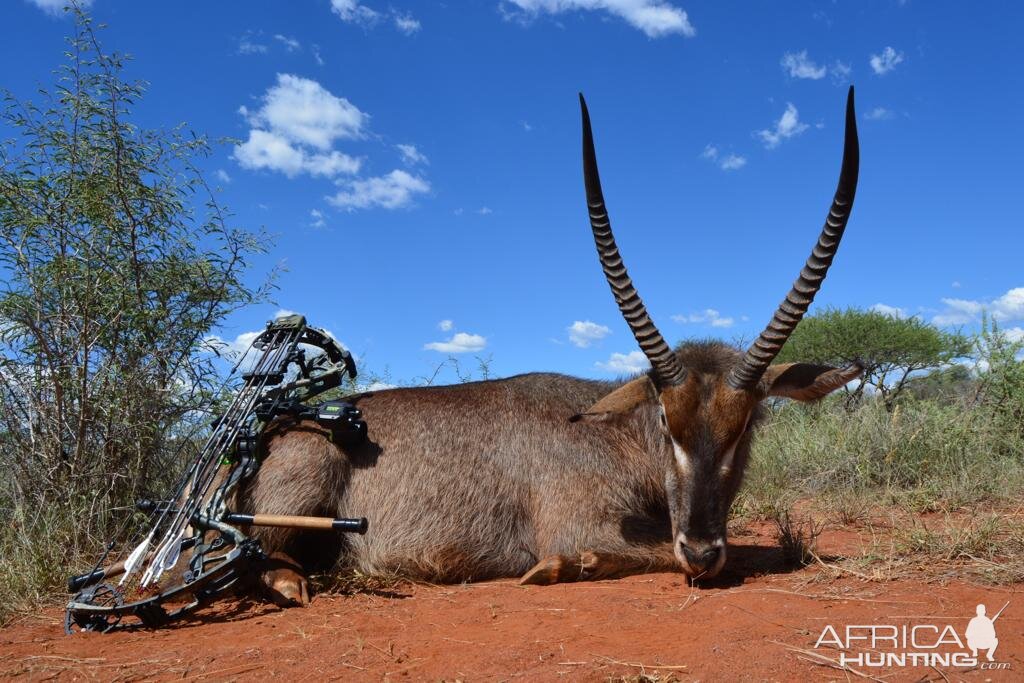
(191, 549)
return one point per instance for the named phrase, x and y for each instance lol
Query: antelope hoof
(545, 572)
(285, 581)
(288, 589)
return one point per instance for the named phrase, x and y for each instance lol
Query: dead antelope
(548, 477)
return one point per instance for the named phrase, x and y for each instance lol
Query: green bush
(116, 264)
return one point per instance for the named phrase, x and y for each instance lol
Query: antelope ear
(807, 382)
(621, 401)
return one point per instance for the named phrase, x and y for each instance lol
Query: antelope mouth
(700, 560)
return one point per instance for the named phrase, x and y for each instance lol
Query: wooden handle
(358, 525)
(293, 521)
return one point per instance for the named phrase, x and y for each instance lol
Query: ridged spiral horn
(792, 309)
(667, 369)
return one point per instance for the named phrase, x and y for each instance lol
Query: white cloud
(294, 131)
(269, 151)
(296, 126)
(1014, 334)
(331, 164)
(406, 24)
(799, 65)
(1009, 306)
(729, 162)
(232, 348)
(484, 211)
(56, 7)
(315, 49)
(626, 363)
(787, 126)
(526, 126)
(265, 150)
(392, 191)
(878, 114)
(376, 385)
(583, 333)
(656, 18)
(352, 11)
(461, 342)
(708, 316)
(319, 220)
(412, 156)
(891, 311)
(885, 62)
(840, 72)
(303, 111)
(733, 162)
(445, 325)
(290, 44)
(223, 176)
(247, 44)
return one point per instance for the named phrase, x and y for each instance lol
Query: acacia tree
(116, 262)
(890, 349)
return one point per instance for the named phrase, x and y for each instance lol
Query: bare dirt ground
(759, 620)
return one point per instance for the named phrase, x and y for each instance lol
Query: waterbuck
(547, 477)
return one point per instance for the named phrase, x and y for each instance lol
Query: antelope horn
(667, 369)
(795, 305)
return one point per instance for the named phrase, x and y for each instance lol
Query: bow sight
(190, 549)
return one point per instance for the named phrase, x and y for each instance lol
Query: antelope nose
(701, 558)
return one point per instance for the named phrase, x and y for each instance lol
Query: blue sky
(419, 162)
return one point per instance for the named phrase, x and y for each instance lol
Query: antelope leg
(592, 566)
(286, 581)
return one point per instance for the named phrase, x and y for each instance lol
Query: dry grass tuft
(797, 538)
(355, 582)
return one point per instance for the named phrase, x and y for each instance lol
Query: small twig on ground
(640, 665)
(821, 660)
(240, 669)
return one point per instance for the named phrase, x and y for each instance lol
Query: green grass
(857, 467)
(38, 548)
(923, 456)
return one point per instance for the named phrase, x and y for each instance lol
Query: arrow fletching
(167, 558)
(135, 557)
(174, 554)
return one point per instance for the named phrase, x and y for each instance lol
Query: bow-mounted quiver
(188, 549)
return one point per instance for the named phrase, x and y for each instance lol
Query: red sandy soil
(757, 621)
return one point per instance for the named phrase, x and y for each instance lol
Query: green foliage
(1001, 374)
(922, 455)
(117, 262)
(945, 384)
(891, 349)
